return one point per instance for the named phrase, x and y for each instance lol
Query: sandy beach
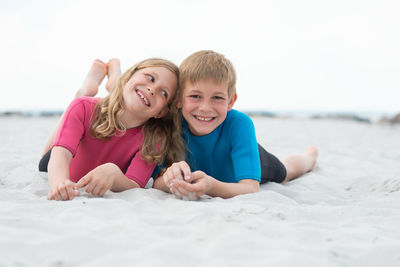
(345, 213)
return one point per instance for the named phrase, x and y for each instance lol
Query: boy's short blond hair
(208, 65)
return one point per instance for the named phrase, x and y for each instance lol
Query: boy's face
(205, 105)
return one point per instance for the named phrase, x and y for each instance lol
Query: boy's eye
(218, 98)
(164, 93)
(151, 78)
(194, 96)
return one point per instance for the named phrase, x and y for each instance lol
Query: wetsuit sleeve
(244, 149)
(72, 128)
(139, 170)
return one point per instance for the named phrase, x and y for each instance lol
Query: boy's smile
(205, 105)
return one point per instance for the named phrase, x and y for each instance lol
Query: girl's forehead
(160, 72)
(158, 69)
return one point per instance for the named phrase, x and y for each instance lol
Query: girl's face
(148, 92)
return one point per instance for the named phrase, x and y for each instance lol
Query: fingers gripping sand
(345, 213)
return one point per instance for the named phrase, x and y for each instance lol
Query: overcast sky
(288, 54)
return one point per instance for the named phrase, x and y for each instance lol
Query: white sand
(346, 213)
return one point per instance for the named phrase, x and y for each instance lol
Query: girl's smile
(147, 94)
(144, 97)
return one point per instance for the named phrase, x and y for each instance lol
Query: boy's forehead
(206, 84)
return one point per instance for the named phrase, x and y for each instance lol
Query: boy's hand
(63, 191)
(98, 180)
(176, 172)
(194, 187)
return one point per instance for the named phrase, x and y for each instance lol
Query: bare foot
(93, 79)
(114, 71)
(312, 152)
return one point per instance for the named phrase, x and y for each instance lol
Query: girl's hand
(193, 188)
(99, 180)
(63, 191)
(178, 171)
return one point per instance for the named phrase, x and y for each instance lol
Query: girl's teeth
(144, 99)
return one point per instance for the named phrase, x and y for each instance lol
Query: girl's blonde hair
(162, 137)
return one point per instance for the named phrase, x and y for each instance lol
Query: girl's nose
(150, 91)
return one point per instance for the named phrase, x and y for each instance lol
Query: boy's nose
(204, 106)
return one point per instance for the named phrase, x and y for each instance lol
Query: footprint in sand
(369, 185)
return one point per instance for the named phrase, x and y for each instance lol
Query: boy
(223, 158)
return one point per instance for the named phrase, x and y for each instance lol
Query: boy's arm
(200, 183)
(228, 190)
(181, 181)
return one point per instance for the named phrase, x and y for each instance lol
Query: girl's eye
(194, 96)
(151, 78)
(164, 93)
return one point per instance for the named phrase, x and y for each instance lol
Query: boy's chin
(201, 131)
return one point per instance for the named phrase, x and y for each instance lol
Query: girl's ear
(162, 113)
(232, 101)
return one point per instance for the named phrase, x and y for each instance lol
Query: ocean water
(366, 115)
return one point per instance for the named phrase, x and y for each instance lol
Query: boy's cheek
(179, 104)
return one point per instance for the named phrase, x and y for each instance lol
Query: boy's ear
(232, 101)
(179, 104)
(162, 113)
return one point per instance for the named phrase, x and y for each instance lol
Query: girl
(115, 142)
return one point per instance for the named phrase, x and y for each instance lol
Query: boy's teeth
(203, 118)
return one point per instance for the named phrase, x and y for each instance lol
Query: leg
(113, 73)
(297, 165)
(51, 138)
(89, 87)
(44, 161)
(93, 79)
(272, 169)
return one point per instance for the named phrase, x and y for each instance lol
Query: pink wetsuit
(89, 152)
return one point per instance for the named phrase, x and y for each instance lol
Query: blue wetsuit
(229, 153)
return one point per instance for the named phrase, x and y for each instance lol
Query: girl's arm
(61, 188)
(159, 184)
(106, 177)
(122, 183)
